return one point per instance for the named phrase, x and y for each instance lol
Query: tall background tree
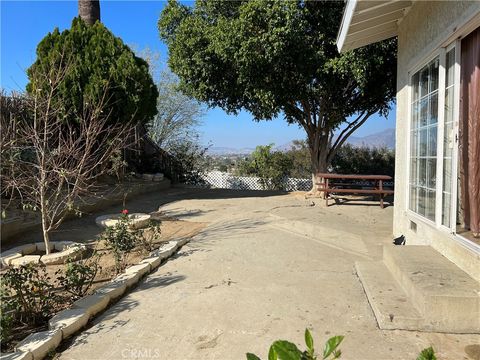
(276, 58)
(178, 115)
(89, 11)
(96, 58)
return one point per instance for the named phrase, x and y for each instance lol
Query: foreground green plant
(427, 354)
(285, 350)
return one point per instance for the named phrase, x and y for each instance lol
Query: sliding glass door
(433, 139)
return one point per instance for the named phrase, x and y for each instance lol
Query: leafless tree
(52, 163)
(178, 117)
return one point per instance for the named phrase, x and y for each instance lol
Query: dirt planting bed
(98, 251)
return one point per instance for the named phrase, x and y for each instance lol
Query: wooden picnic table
(376, 185)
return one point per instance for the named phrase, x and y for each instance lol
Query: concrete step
(329, 236)
(446, 297)
(390, 304)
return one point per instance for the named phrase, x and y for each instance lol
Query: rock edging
(21, 255)
(68, 322)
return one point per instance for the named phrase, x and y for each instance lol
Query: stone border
(21, 255)
(68, 322)
(136, 220)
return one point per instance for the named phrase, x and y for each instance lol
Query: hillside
(379, 139)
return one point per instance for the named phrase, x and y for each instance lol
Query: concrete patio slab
(244, 282)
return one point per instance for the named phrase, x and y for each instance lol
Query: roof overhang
(365, 22)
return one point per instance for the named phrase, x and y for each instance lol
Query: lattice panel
(223, 180)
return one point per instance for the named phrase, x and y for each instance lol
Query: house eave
(365, 22)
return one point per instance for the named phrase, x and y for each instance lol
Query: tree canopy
(95, 60)
(178, 115)
(279, 58)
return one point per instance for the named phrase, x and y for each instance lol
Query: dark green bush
(94, 60)
(272, 167)
(364, 160)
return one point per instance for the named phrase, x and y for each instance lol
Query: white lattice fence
(223, 180)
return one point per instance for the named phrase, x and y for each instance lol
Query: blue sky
(25, 23)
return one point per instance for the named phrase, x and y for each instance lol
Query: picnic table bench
(375, 185)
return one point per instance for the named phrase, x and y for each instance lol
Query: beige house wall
(425, 28)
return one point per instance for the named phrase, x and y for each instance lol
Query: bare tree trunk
(89, 11)
(46, 235)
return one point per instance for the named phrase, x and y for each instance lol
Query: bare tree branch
(49, 163)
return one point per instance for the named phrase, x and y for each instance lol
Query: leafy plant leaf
(286, 350)
(309, 341)
(272, 355)
(251, 356)
(427, 354)
(331, 345)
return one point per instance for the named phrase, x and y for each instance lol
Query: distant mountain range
(380, 139)
(383, 138)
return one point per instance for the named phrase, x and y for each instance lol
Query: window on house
(423, 140)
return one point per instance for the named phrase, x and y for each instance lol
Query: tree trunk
(318, 145)
(46, 236)
(89, 11)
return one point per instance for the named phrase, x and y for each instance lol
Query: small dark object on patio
(399, 240)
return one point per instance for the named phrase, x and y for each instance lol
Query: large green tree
(279, 58)
(93, 60)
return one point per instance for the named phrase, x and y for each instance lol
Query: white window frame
(441, 54)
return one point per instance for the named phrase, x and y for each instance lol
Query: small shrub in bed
(78, 276)
(147, 237)
(28, 298)
(122, 240)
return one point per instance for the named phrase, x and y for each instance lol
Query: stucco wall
(426, 26)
